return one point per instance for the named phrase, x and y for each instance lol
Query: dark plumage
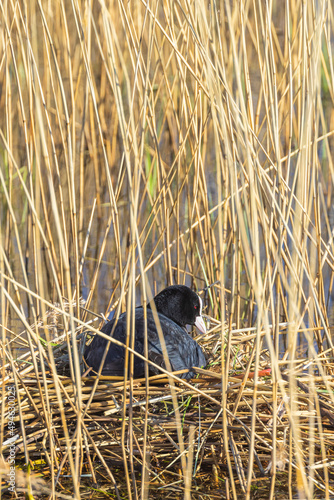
(176, 306)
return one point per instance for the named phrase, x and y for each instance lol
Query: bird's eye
(195, 307)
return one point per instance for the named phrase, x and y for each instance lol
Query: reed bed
(147, 144)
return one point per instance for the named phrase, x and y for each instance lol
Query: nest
(167, 434)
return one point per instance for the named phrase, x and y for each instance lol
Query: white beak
(199, 323)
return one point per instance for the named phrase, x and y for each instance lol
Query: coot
(176, 306)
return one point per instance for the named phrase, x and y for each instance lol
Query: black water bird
(177, 306)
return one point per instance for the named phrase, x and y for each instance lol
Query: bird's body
(176, 306)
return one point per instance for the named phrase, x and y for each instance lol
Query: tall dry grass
(145, 144)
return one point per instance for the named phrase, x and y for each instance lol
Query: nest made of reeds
(161, 433)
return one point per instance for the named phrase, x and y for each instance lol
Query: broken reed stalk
(170, 143)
